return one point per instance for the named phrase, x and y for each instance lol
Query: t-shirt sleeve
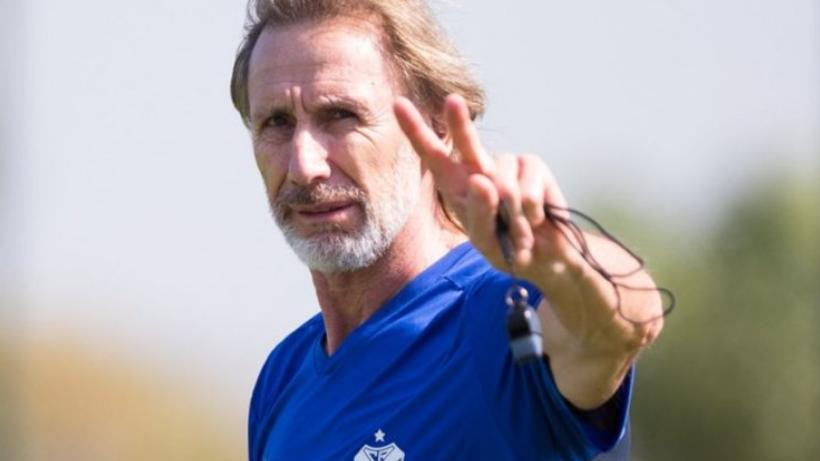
(525, 399)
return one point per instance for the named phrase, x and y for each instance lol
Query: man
(380, 184)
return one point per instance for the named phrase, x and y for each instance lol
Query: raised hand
(475, 185)
(590, 345)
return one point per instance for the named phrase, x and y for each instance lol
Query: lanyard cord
(561, 218)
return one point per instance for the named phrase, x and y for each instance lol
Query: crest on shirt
(389, 452)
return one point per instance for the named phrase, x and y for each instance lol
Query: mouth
(336, 211)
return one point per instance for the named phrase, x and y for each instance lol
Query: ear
(442, 130)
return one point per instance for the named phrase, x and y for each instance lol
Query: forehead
(340, 54)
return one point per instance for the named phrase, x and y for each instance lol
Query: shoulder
(470, 269)
(297, 341)
(292, 349)
(483, 284)
(282, 362)
(279, 368)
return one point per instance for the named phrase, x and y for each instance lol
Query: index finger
(432, 150)
(465, 136)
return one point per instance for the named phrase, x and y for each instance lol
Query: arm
(590, 346)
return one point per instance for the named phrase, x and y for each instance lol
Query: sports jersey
(428, 376)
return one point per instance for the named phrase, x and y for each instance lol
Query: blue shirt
(428, 376)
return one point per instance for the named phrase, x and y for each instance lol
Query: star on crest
(379, 435)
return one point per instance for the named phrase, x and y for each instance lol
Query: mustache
(292, 194)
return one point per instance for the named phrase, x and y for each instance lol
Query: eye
(280, 120)
(340, 113)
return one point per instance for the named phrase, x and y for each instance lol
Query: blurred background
(142, 282)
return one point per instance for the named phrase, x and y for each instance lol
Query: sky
(133, 213)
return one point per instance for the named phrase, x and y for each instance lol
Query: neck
(348, 299)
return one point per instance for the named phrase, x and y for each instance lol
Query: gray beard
(335, 250)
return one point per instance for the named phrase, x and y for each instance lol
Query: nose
(308, 159)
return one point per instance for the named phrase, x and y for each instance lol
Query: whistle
(523, 325)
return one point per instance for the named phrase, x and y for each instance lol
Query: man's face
(340, 176)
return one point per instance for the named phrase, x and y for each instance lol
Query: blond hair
(425, 60)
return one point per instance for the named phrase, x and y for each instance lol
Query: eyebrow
(320, 103)
(326, 101)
